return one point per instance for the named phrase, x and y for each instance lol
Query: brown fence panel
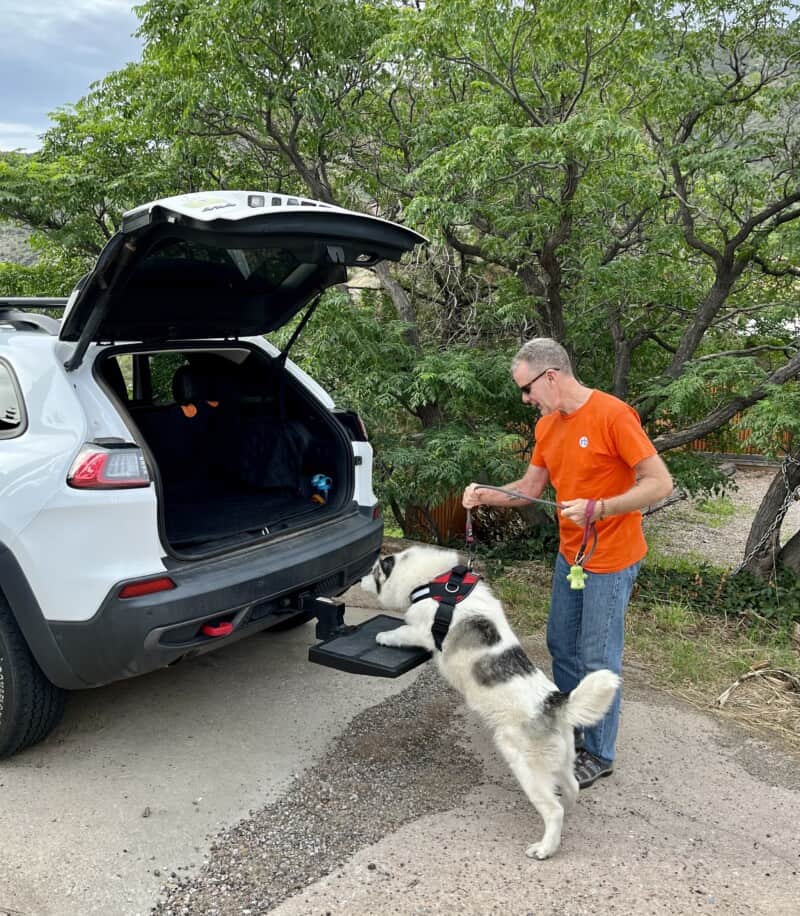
(445, 522)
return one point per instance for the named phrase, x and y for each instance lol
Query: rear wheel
(30, 706)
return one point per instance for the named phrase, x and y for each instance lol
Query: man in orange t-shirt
(592, 448)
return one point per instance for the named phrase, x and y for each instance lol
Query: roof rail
(13, 312)
(33, 302)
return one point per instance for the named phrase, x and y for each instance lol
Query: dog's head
(374, 580)
(394, 577)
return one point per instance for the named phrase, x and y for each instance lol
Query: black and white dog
(480, 656)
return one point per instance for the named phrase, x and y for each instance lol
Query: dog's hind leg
(566, 777)
(569, 787)
(538, 784)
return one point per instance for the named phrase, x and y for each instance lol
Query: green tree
(620, 175)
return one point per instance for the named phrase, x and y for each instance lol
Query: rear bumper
(131, 636)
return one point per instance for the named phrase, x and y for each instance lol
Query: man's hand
(575, 511)
(470, 499)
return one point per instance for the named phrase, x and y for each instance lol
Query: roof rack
(14, 312)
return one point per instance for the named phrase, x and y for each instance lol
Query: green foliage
(162, 370)
(612, 174)
(774, 423)
(54, 273)
(716, 510)
(774, 603)
(358, 350)
(698, 474)
(503, 536)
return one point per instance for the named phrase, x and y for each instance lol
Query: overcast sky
(50, 53)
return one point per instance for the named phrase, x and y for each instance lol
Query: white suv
(169, 480)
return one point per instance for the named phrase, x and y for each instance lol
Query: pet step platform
(357, 652)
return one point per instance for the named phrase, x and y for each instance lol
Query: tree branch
(725, 412)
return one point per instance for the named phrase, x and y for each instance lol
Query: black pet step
(356, 652)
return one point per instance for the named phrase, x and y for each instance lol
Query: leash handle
(589, 528)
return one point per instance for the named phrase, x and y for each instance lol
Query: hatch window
(269, 266)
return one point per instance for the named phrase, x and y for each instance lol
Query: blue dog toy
(322, 484)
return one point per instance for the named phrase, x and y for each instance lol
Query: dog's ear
(387, 565)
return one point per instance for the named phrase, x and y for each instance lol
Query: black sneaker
(588, 768)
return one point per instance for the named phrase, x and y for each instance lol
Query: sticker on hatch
(207, 203)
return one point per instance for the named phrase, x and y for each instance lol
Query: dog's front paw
(386, 638)
(540, 851)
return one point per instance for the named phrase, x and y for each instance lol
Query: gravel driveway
(681, 528)
(412, 813)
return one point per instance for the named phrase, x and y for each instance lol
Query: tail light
(147, 587)
(101, 468)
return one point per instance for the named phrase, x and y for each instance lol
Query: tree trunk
(622, 358)
(707, 311)
(401, 302)
(770, 515)
(790, 554)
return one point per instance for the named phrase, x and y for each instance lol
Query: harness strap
(441, 623)
(447, 589)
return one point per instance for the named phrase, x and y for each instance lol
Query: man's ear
(387, 565)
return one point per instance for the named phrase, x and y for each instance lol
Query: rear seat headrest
(191, 385)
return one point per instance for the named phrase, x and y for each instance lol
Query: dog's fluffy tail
(589, 701)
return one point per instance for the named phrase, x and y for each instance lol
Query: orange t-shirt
(591, 454)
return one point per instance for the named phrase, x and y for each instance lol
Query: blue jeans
(586, 632)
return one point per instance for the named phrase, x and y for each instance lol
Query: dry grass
(765, 693)
(719, 666)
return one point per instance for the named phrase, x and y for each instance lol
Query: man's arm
(531, 484)
(653, 483)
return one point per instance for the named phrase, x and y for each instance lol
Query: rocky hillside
(14, 245)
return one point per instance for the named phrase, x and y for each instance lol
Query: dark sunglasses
(526, 389)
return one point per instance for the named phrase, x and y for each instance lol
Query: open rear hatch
(223, 265)
(185, 271)
(241, 448)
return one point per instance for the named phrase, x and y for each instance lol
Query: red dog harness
(448, 589)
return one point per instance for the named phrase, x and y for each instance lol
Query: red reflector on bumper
(135, 589)
(223, 628)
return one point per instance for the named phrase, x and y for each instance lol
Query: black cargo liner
(238, 462)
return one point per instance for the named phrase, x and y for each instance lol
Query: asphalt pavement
(188, 790)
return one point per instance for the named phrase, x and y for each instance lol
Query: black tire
(30, 706)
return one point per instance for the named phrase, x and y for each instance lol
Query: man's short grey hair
(543, 353)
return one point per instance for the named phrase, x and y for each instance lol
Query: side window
(12, 411)
(162, 368)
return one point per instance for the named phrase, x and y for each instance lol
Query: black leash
(515, 494)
